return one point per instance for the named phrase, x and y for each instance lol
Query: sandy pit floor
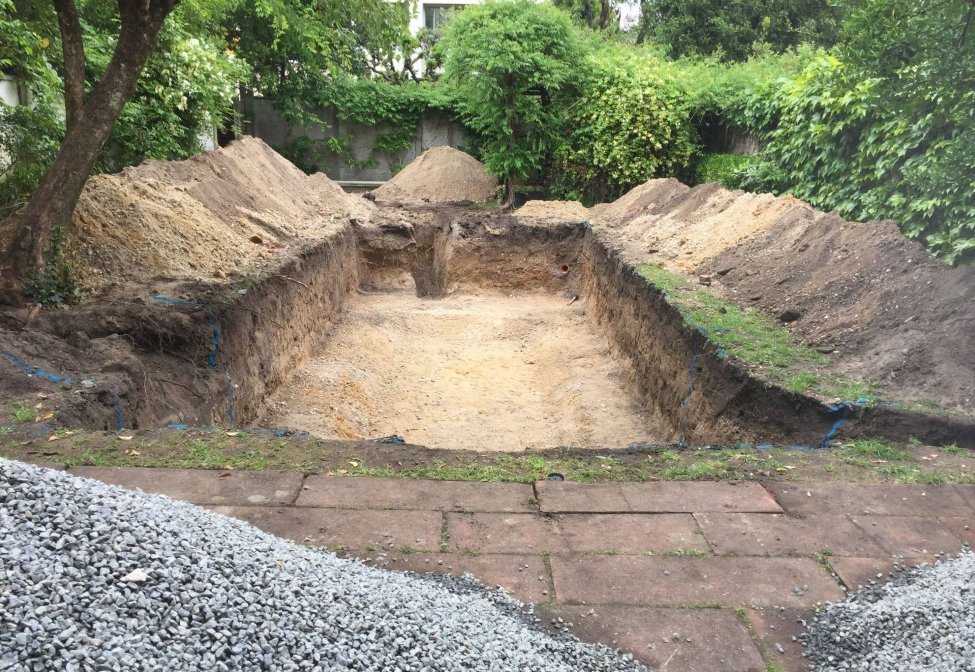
(490, 373)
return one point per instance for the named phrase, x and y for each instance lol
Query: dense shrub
(725, 169)
(840, 140)
(632, 122)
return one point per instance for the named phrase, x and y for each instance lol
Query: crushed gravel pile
(922, 620)
(440, 175)
(96, 577)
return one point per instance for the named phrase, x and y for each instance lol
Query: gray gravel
(923, 620)
(94, 577)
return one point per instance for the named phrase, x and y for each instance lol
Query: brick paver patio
(700, 576)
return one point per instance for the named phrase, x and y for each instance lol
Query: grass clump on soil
(21, 412)
(259, 450)
(755, 339)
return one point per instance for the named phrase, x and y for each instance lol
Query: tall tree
(90, 121)
(731, 29)
(509, 60)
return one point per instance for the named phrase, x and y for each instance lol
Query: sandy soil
(564, 210)
(488, 372)
(219, 213)
(440, 175)
(666, 221)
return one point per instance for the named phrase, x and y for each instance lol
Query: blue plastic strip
(230, 400)
(175, 302)
(843, 408)
(212, 358)
(34, 371)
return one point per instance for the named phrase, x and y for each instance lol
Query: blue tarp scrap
(34, 371)
(843, 408)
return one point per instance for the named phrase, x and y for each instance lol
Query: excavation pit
(476, 371)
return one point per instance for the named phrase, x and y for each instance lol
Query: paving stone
(516, 574)
(356, 529)
(778, 631)
(963, 528)
(202, 486)
(967, 493)
(909, 536)
(656, 497)
(677, 581)
(887, 499)
(395, 493)
(719, 642)
(858, 572)
(777, 534)
(574, 533)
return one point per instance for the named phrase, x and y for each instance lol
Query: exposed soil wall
(705, 397)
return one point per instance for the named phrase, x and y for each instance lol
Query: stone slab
(885, 499)
(778, 631)
(394, 493)
(777, 534)
(655, 497)
(673, 581)
(202, 486)
(909, 536)
(574, 533)
(963, 528)
(718, 639)
(524, 576)
(857, 573)
(967, 493)
(354, 529)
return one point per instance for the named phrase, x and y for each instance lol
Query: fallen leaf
(224, 476)
(354, 463)
(46, 416)
(133, 452)
(52, 437)
(39, 404)
(232, 433)
(125, 437)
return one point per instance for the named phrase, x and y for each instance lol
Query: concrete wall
(264, 122)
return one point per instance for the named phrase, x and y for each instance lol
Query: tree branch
(74, 61)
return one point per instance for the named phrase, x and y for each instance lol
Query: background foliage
(887, 130)
(879, 125)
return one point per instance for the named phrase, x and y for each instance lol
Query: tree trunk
(74, 61)
(54, 201)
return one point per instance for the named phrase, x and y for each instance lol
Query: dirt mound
(562, 210)
(440, 175)
(891, 311)
(666, 221)
(216, 213)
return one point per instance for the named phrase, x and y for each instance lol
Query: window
(435, 16)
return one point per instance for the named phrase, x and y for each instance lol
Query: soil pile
(440, 175)
(668, 222)
(561, 210)
(211, 215)
(890, 311)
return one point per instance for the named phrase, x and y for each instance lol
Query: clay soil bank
(484, 371)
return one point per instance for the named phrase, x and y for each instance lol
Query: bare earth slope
(883, 307)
